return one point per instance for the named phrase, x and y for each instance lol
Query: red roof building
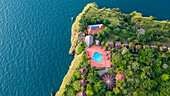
(94, 28)
(120, 76)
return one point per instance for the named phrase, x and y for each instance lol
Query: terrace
(103, 58)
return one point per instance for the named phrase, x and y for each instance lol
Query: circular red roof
(120, 76)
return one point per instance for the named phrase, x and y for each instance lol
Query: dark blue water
(35, 40)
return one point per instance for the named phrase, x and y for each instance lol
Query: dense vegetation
(126, 25)
(147, 71)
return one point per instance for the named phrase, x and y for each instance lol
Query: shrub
(80, 49)
(100, 68)
(159, 44)
(117, 38)
(76, 85)
(116, 91)
(165, 77)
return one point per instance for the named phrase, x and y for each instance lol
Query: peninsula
(118, 54)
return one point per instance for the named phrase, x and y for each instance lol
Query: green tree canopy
(77, 74)
(149, 84)
(165, 77)
(100, 88)
(76, 85)
(109, 93)
(116, 91)
(93, 77)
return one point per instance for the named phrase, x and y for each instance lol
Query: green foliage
(164, 89)
(121, 84)
(117, 38)
(76, 85)
(109, 93)
(146, 56)
(107, 31)
(100, 88)
(100, 68)
(149, 84)
(135, 66)
(116, 91)
(165, 77)
(116, 59)
(100, 34)
(70, 92)
(158, 70)
(111, 72)
(77, 74)
(124, 91)
(107, 45)
(89, 89)
(141, 92)
(159, 44)
(142, 38)
(93, 77)
(81, 48)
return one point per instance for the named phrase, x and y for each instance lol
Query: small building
(83, 71)
(83, 82)
(97, 42)
(120, 76)
(155, 46)
(140, 31)
(147, 45)
(111, 44)
(89, 40)
(81, 36)
(126, 44)
(164, 48)
(81, 93)
(118, 44)
(94, 28)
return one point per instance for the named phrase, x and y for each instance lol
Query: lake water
(35, 40)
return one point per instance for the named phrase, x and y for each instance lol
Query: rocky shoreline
(74, 43)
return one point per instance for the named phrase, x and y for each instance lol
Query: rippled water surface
(35, 40)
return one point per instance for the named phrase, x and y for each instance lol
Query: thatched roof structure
(83, 82)
(109, 80)
(118, 44)
(111, 44)
(83, 71)
(126, 44)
